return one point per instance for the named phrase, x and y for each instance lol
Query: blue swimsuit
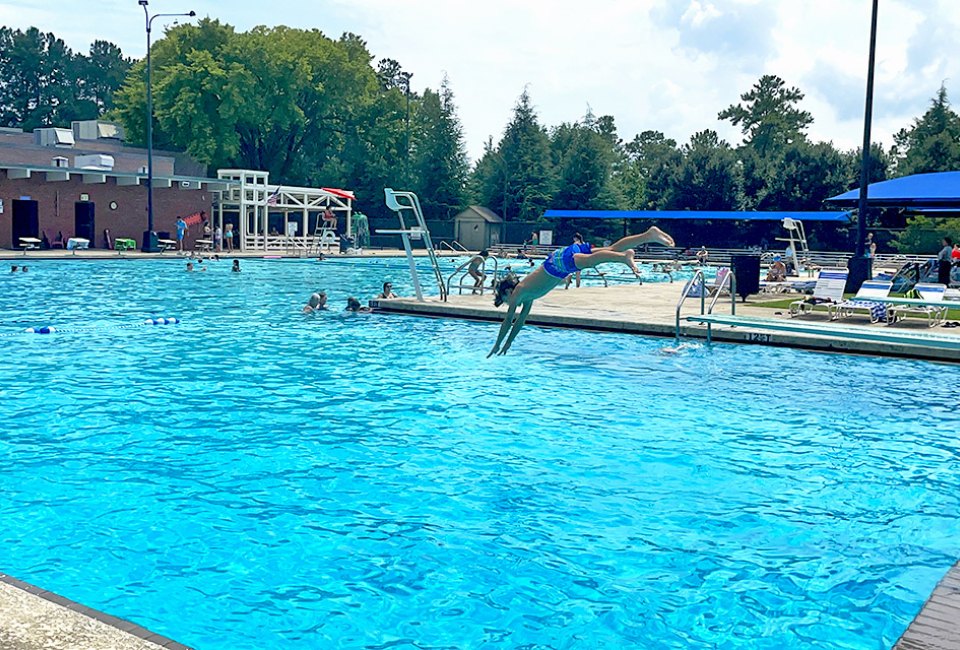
(560, 263)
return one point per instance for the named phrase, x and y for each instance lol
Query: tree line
(314, 110)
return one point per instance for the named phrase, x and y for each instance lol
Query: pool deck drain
(937, 626)
(34, 619)
(650, 309)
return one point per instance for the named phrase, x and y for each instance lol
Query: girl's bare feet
(656, 236)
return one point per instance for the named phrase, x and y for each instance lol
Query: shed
(478, 228)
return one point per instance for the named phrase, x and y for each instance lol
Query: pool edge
(115, 622)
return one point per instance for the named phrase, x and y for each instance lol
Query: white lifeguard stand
(797, 238)
(253, 197)
(403, 201)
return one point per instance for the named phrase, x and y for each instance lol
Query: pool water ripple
(257, 478)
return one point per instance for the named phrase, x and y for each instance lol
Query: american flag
(275, 197)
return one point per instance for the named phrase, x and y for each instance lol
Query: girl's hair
(504, 288)
(578, 238)
(353, 304)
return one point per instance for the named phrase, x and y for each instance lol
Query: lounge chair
(711, 289)
(930, 303)
(827, 291)
(871, 298)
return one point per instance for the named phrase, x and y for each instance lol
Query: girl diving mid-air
(561, 263)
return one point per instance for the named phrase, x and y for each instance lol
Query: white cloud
(668, 65)
(699, 13)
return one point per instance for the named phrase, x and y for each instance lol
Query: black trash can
(345, 243)
(746, 268)
(860, 270)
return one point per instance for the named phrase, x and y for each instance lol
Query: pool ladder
(464, 283)
(728, 282)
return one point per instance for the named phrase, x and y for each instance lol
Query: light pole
(150, 237)
(861, 265)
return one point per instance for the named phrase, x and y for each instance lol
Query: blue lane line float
(50, 329)
(46, 329)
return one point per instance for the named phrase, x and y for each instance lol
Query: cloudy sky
(668, 65)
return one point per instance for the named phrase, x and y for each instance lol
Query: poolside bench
(166, 245)
(121, 244)
(29, 244)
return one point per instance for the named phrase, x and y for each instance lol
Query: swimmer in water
(552, 273)
(317, 302)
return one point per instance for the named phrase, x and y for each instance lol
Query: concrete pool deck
(651, 309)
(34, 619)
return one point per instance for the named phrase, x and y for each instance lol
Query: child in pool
(553, 271)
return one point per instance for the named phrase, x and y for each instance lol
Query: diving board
(855, 332)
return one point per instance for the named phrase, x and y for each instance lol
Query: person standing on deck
(944, 261)
(182, 230)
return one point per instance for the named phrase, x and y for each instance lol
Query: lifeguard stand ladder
(398, 202)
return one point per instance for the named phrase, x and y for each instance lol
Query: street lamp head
(143, 3)
(192, 14)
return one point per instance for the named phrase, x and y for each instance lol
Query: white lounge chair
(828, 291)
(711, 289)
(930, 304)
(871, 298)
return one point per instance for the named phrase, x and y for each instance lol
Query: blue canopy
(935, 190)
(661, 215)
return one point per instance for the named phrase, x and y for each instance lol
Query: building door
(83, 221)
(25, 221)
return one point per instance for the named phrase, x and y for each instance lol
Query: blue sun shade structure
(935, 190)
(697, 215)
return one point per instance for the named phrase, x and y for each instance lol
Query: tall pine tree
(439, 158)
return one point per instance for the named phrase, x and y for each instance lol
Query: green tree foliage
(525, 174)
(439, 159)
(584, 155)
(768, 116)
(44, 83)
(802, 176)
(296, 103)
(708, 177)
(646, 178)
(932, 144)
(923, 234)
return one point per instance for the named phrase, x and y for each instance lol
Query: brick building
(83, 181)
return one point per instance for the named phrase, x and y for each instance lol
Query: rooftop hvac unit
(61, 161)
(53, 137)
(96, 161)
(96, 130)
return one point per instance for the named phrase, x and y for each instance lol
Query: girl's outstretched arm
(516, 327)
(504, 328)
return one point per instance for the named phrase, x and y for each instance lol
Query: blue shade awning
(698, 215)
(935, 190)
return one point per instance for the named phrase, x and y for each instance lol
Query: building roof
(697, 215)
(94, 176)
(476, 211)
(936, 190)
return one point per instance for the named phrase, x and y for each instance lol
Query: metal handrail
(729, 279)
(461, 286)
(686, 292)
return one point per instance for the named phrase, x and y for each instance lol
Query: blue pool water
(256, 478)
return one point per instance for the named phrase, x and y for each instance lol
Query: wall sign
(84, 197)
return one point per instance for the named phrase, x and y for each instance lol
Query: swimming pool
(257, 478)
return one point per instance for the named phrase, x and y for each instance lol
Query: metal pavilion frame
(253, 197)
